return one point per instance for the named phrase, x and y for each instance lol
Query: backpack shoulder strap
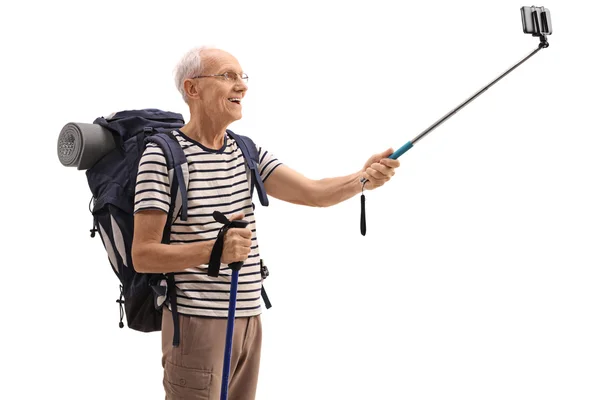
(178, 175)
(250, 153)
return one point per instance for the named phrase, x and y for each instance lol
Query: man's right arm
(151, 256)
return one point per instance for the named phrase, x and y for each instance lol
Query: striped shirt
(217, 181)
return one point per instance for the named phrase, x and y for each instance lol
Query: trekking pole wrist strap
(214, 265)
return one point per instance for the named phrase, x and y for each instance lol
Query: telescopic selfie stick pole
(531, 24)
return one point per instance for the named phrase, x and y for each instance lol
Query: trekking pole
(536, 21)
(235, 270)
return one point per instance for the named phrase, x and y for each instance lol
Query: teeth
(236, 100)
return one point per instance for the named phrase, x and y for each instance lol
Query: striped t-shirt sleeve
(152, 186)
(267, 163)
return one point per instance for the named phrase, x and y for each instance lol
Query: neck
(205, 131)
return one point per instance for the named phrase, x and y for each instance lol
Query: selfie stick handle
(543, 44)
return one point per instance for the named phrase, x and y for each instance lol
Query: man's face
(217, 97)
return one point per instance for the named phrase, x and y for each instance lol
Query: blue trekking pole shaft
(410, 144)
(235, 272)
(229, 338)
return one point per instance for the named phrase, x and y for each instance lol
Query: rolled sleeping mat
(81, 145)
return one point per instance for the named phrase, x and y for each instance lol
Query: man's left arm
(288, 185)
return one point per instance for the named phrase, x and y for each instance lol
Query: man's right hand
(237, 243)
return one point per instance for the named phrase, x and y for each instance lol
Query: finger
(374, 174)
(372, 185)
(243, 241)
(379, 182)
(237, 216)
(386, 171)
(240, 233)
(388, 162)
(386, 153)
(245, 233)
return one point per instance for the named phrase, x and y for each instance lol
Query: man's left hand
(379, 169)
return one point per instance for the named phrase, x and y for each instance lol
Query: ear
(189, 86)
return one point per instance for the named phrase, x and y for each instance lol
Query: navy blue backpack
(112, 181)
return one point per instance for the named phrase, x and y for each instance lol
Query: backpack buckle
(264, 271)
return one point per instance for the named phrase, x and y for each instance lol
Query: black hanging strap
(363, 217)
(263, 293)
(173, 300)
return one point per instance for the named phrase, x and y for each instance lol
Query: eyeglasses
(229, 76)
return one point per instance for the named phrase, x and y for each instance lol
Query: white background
(479, 275)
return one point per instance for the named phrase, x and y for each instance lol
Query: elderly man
(213, 84)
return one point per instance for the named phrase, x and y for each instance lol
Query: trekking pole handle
(236, 266)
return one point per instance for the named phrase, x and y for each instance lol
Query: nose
(240, 86)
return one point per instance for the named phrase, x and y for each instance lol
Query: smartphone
(536, 21)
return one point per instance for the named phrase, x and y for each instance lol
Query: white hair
(188, 66)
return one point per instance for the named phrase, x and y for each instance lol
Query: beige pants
(193, 370)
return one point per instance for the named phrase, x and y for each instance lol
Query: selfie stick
(543, 44)
(411, 143)
(529, 16)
